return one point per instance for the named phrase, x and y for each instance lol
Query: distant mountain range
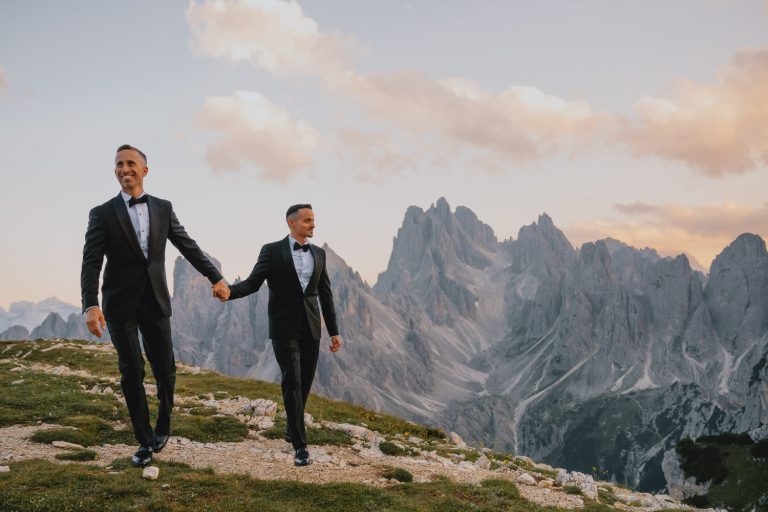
(31, 314)
(598, 358)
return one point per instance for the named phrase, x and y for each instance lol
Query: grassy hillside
(66, 391)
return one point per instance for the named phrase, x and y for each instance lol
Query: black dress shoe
(159, 443)
(142, 457)
(302, 457)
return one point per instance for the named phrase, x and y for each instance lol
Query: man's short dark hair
(128, 146)
(295, 208)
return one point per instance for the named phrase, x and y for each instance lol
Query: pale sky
(642, 120)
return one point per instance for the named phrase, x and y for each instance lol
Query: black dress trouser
(297, 359)
(158, 347)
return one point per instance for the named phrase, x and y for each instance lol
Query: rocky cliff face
(602, 356)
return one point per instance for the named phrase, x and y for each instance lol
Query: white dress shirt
(304, 263)
(139, 214)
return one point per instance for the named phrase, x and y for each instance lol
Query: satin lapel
(285, 250)
(315, 277)
(121, 210)
(154, 223)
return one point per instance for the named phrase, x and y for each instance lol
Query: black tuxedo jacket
(287, 302)
(127, 273)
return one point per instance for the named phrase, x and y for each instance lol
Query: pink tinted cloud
(371, 153)
(272, 34)
(516, 125)
(702, 231)
(254, 132)
(716, 129)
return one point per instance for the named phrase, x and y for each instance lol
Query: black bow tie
(134, 201)
(297, 246)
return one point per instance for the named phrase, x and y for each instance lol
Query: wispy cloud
(254, 132)
(272, 34)
(515, 125)
(519, 124)
(716, 129)
(702, 231)
(371, 154)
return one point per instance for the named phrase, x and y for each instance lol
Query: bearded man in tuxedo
(297, 277)
(131, 231)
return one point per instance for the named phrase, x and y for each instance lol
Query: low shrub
(572, 489)
(705, 463)
(399, 474)
(389, 448)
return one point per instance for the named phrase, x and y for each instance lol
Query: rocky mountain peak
(737, 291)
(747, 246)
(442, 209)
(430, 242)
(541, 243)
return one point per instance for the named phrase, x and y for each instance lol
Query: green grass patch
(527, 466)
(469, 455)
(572, 489)
(97, 362)
(201, 384)
(198, 410)
(85, 431)
(390, 448)
(42, 486)
(315, 436)
(399, 474)
(78, 455)
(606, 495)
(50, 399)
(209, 429)
(104, 364)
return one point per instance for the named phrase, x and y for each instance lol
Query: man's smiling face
(130, 170)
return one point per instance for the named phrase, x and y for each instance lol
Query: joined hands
(220, 290)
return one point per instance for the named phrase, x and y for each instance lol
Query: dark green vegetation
(42, 486)
(399, 474)
(760, 449)
(738, 479)
(78, 455)
(572, 489)
(702, 461)
(390, 448)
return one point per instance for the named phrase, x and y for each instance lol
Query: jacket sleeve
(93, 258)
(326, 302)
(190, 250)
(254, 281)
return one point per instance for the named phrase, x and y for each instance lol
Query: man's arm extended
(93, 258)
(329, 312)
(254, 281)
(191, 251)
